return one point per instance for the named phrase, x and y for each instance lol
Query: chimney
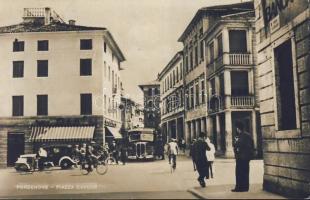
(72, 22)
(47, 16)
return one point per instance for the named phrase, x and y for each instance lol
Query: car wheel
(65, 164)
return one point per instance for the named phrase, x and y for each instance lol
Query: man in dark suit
(244, 151)
(199, 158)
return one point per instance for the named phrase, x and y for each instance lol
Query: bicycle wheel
(110, 161)
(83, 169)
(101, 168)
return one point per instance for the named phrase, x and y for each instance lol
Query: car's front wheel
(65, 164)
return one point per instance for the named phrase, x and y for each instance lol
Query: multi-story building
(172, 98)
(60, 82)
(194, 53)
(132, 114)
(231, 75)
(151, 95)
(283, 38)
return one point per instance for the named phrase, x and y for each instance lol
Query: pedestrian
(191, 153)
(183, 144)
(199, 157)
(42, 154)
(123, 152)
(115, 151)
(210, 156)
(173, 151)
(244, 152)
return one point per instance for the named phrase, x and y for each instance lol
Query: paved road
(134, 180)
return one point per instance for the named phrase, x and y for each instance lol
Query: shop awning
(40, 134)
(115, 132)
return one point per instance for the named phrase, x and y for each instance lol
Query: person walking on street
(183, 145)
(173, 151)
(210, 156)
(244, 151)
(123, 154)
(115, 151)
(191, 153)
(199, 157)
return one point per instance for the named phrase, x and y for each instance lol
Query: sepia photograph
(155, 99)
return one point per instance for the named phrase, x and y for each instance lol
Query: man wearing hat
(173, 151)
(244, 151)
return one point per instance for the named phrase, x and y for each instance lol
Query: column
(227, 84)
(226, 39)
(218, 133)
(193, 130)
(203, 125)
(209, 127)
(167, 131)
(254, 129)
(228, 134)
(188, 133)
(198, 128)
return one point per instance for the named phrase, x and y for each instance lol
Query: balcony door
(239, 83)
(237, 41)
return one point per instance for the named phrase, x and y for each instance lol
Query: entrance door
(16, 146)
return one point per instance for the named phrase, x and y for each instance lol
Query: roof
(52, 27)
(216, 11)
(175, 58)
(151, 83)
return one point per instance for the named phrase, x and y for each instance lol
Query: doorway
(16, 147)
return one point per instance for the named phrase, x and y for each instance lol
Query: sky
(146, 30)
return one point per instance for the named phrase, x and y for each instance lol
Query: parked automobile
(61, 155)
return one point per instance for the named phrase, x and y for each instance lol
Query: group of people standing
(202, 153)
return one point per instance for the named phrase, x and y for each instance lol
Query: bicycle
(98, 164)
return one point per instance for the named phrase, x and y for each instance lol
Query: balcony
(219, 103)
(232, 59)
(243, 102)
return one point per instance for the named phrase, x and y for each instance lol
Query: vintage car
(61, 155)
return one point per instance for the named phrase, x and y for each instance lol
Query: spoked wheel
(110, 161)
(101, 168)
(23, 170)
(84, 168)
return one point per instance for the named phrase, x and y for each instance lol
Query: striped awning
(41, 134)
(115, 132)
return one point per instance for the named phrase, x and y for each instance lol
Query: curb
(196, 193)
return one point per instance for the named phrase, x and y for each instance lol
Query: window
(201, 51)
(86, 44)
(150, 92)
(196, 55)
(203, 98)
(239, 83)
(212, 84)
(85, 67)
(18, 45)
(105, 103)
(187, 98)
(177, 74)
(191, 60)
(112, 78)
(192, 97)
(181, 71)
(43, 45)
(109, 73)
(105, 47)
(42, 66)
(86, 104)
(173, 74)
(219, 45)
(211, 52)
(156, 91)
(42, 104)
(286, 108)
(105, 69)
(186, 64)
(171, 80)
(237, 41)
(18, 105)
(197, 94)
(18, 69)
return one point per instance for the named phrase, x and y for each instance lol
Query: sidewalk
(223, 192)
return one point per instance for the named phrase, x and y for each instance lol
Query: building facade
(231, 74)
(283, 38)
(132, 114)
(172, 98)
(55, 74)
(151, 110)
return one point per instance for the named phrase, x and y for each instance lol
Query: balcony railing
(34, 12)
(239, 59)
(234, 59)
(242, 102)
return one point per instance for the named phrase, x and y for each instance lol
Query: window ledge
(288, 134)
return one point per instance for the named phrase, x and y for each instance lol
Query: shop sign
(109, 123)
(147, 137)
(274, 24)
